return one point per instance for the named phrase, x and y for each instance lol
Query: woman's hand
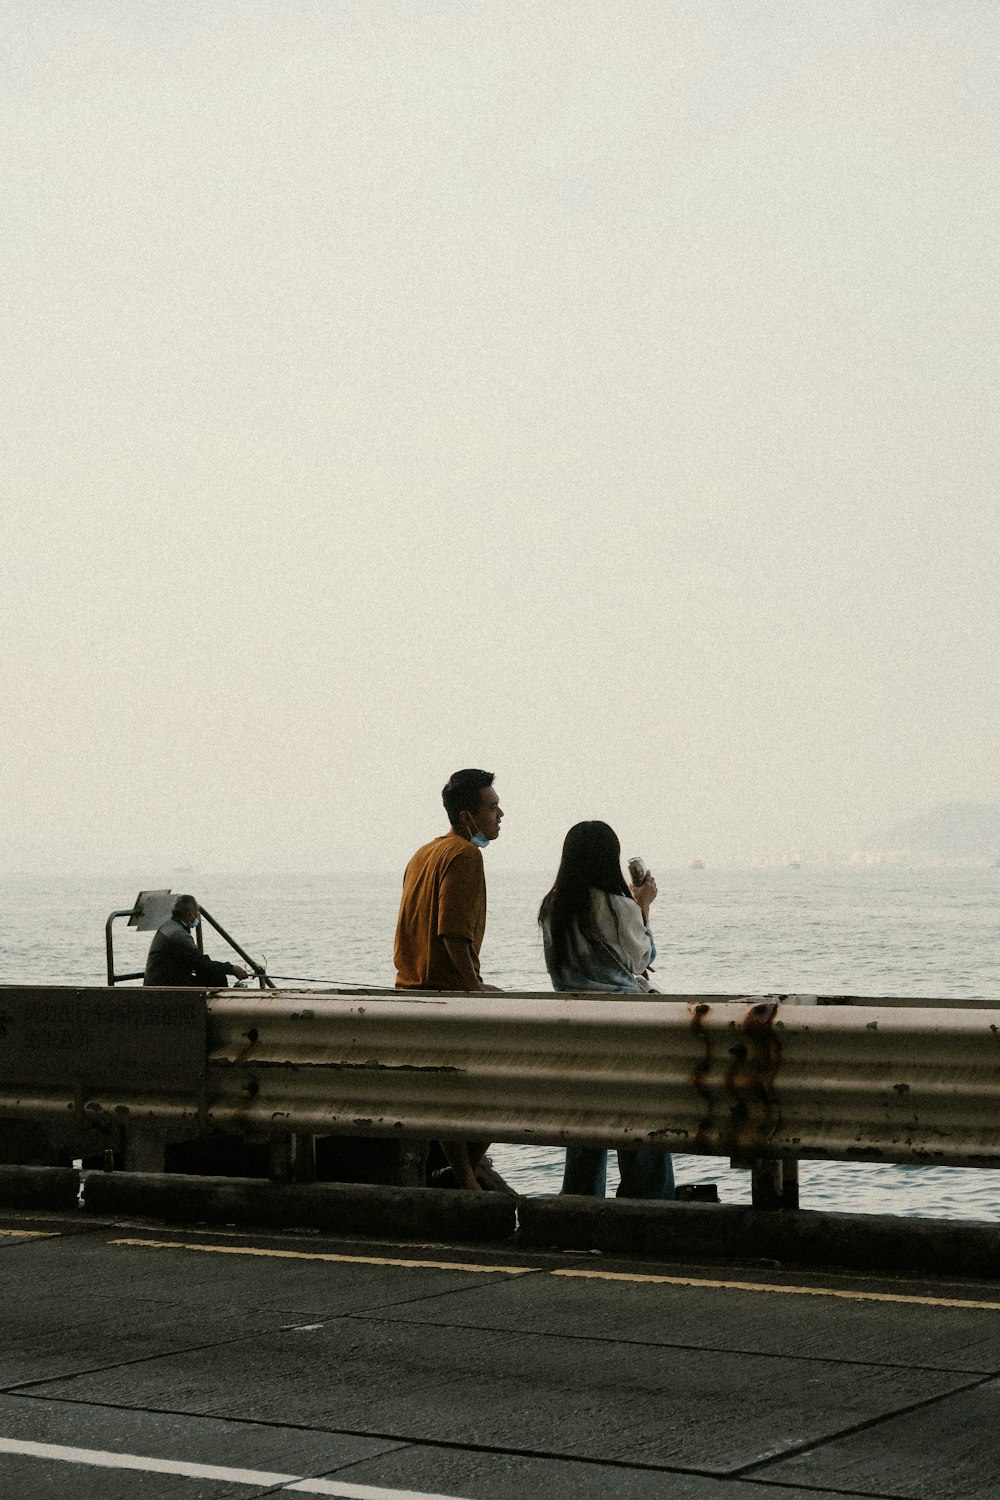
(645, 895)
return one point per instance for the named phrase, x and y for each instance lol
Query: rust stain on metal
(243, 1105)
(751, 1081)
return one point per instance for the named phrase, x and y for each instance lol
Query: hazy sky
(602, 393)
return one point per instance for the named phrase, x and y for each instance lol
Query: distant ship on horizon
(697, 864)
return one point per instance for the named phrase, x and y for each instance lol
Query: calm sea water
(876, 932)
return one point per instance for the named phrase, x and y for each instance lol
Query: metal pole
(264, 980)
(775, 1183)
(790, 1182)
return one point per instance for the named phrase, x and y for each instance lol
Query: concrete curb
(39, 1187)
(341, 1208)
(699, 1232)
(708, 1231)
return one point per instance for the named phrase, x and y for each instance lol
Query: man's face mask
(479, 839)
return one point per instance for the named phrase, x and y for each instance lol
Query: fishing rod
(257, 968)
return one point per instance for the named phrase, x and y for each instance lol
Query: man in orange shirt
(442, 916)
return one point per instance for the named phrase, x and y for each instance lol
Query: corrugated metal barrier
(725, 1078)
(752, 1079)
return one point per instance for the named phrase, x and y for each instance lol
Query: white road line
(351, 1260)
(101, 1459)
(29, 1234)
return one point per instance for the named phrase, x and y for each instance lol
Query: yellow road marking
(30, 1234)
(354, 1260)
(791, 1291)
(711, 1284)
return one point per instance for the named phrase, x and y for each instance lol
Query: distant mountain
(953, 830)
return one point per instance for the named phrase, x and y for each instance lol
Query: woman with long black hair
(595, 929)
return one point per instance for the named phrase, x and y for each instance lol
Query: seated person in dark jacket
(174, 957)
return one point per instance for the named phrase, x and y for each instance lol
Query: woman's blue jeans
(645, 1172)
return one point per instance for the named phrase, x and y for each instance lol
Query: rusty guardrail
(756, 1080)
(745, 1079)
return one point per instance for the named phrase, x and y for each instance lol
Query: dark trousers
(645, 1172)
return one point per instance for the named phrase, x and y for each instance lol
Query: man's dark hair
(184, 906)
(463, 791)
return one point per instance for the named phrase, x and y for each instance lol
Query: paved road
(142, 1362)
